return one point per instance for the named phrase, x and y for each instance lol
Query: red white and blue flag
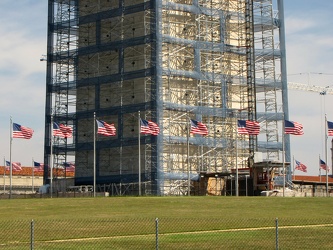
(149, 127)
(21, 131)
(300, 166)
(38, 167)
(198, 128)
(16, 166)
(293, 128)
(329, 128)
(62, 130)
(7, 165)
(246, 127)
(323, 165)
(105, 128)
(69, 167)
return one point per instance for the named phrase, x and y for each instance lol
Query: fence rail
(167, 233)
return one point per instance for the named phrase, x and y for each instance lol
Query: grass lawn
(190, 222)
(171, 207)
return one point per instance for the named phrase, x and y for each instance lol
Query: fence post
(276, 234)
(32, 232)
(156, 232)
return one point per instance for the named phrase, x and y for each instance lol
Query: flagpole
(293, 168)
(326, 156)
(236, 184)
(51, 158)
(94, 168)
(319, 170)
(188, 160)
(238, 115)
(139, 149)
(10, 158)
(331, 149)
(4, 175)
(283, 159)
(32, 180)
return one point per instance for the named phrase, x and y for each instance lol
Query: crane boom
(306, 87)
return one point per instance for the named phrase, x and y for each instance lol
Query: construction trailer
(215, 62)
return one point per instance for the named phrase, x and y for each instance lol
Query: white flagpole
(238, 116)
(326, 156)
(10, 159)
(94, 154)
(188, 160)
(32, 180)
(236, 181)
(283, 158)
(319, 170)
(51, 158)
(293, 168)
(4, 176)
(139, 141)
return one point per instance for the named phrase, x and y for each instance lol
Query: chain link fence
(167, 233)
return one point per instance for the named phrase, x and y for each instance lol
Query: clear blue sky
(23, 30)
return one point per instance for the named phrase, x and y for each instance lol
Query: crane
(306, 87)
(328, 90)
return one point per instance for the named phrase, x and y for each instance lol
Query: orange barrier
(27, 171)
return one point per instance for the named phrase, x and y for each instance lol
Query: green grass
(170, 207)
(189, 222)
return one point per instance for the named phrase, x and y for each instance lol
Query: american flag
(323, 165)
(105, 128)
(7, 165)
(198, 128)
(293, 128)
(149, 127)
(62, 130)
(248, 127)
(38, 167)
(69, 167)
(300, 166)
(56, 130)
(329, 128)
(21, 131)
(16, 166)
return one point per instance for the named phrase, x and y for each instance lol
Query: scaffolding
(169, 62)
